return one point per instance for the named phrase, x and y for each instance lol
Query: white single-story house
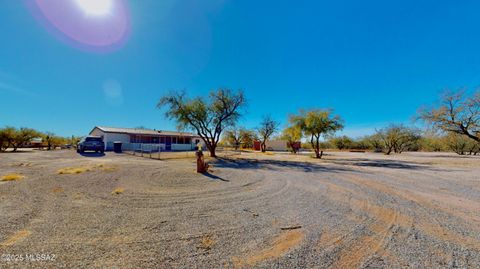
(134, 138)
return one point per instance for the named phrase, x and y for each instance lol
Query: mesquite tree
(267, 128)
(293, 136)
(23, 136)
(398, 138)
(457, 113)
(315, 124)
(233, 137)
(208, 118)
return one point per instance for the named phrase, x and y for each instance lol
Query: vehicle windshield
(93, 139)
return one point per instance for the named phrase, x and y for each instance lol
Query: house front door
(168, 143)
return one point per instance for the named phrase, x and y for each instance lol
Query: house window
(188, 140)
(174, 140)
(162, 140)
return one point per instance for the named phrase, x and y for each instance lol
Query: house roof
(140, 131)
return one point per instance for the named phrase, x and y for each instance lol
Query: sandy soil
(350, 210)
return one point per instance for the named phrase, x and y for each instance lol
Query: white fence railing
(153, 147)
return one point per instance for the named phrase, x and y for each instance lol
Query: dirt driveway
(350, 210)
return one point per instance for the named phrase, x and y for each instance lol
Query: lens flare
(95, 7)
(93, 25)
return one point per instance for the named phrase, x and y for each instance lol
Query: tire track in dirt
(435, 230)
(282, 244)
(380, 226)
(446, 201)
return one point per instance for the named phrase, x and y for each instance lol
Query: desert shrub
(373, 142)
(399, 138)
(433, 143)
(342, 142)
(360, 144)
(462, 145)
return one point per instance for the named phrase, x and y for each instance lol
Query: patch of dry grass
(73, 170)
(107, 168)
(207, 242)
(118, 191)
(20, 235)
(11, 177)
(83, 169)
(57, 190)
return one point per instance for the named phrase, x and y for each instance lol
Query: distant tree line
(456, 121)
(15, 138)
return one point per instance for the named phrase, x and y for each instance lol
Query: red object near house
(256, 145)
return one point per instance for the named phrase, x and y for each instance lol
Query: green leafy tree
(7, 137)
(208, 118)
(247, 138)
(315, 124)
(53, 141)
(22, 137)
(49, 138)
(267, 128)
(293, 136)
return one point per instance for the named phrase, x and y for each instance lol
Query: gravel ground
(349, 210)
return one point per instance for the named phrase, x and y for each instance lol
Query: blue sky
(373, 62)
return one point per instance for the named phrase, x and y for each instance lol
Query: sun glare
(95, 7)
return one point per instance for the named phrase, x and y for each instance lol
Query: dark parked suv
(94, 143)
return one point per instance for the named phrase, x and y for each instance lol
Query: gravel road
(350, 210)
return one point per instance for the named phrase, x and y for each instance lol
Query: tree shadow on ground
(92, 154)
(214, 177)
(277, 165)
(338, 166)
(392, 164)
(466, 156)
